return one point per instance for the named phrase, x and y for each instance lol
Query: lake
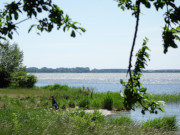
(156, 83)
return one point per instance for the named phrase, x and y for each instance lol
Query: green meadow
(29, 111)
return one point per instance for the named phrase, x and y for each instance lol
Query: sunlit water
(156, 83)
(171, 110)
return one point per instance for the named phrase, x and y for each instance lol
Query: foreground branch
(134, 40)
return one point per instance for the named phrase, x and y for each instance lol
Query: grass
(28, 111)
(75, 96)
(168, 97)
(46, 121)
(165, 123)
(67, 96)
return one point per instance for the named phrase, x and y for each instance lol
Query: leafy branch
(134, 93)
(56, 18)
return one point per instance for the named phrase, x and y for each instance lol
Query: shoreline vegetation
(26, 111)
(88, 70)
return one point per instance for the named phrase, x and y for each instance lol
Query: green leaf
(39, 10)
(73, 33)
(31, 27)
(178, 28)
(16, 15)
(82, 29)
(10, 36)
(123, 8)
(178, 38)
(143, 90)
(161, 109)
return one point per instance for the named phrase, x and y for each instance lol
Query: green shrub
(84, 102)
(97, 116)
(108, 102)
(63, 106)
(23, 80)
(167, 123)
(4, 78)
(56, 87)
(71, 104)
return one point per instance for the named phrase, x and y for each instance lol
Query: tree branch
(134, 40)
(22, 21)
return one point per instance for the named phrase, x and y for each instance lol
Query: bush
(71, 104)
(108, 102)
(4, 78)
(63, 106)
(167, 123)
(21, 79)
(97, 116)
(84, 102)
(56, 87)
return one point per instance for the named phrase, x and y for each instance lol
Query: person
(54, 103)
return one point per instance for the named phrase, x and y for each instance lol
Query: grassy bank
(74, 96)
(66, 97)
(28, 111)
(46, 121)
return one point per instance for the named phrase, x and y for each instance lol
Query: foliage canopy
(12, 71)
(10, 16)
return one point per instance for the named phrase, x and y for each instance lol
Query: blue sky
(105, 44)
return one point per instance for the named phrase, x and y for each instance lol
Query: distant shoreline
(87, 70)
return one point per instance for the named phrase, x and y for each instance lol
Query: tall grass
(108, 102)
(165, 123)
(168, 97)
(75, 96)
(45, 121)
(122, 120)
(28, 111)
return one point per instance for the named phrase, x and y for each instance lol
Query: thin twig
(134, 40)
(21, 21)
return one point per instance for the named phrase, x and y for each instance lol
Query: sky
(106, 42)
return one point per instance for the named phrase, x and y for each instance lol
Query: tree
(12, 71)
(9, 17)
(134, 92)
(10, 61)
(11, 57)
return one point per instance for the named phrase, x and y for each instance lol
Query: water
(156, 83)
(171, 110)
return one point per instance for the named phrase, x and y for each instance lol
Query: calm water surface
(171, 110)
(156, 83)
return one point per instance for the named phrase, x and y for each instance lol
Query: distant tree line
(87, 70)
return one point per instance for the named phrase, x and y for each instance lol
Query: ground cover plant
(29, 111)
(47, 121)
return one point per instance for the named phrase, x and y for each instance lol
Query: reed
(165, 123)
(168, 97)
